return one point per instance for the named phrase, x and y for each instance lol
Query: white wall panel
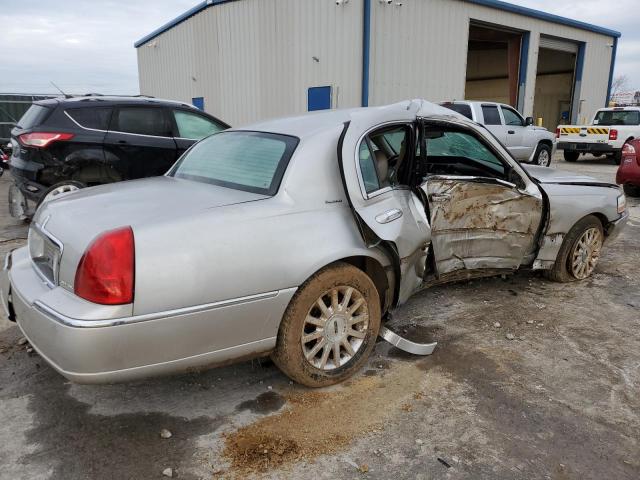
(253, 59)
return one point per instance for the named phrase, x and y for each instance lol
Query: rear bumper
(107, 350)
(587, 147)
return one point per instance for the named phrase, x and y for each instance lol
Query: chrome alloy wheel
(335, 328)
(56, 192)
(544, 159)
(586, 253)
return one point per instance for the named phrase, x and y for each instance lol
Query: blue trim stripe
(530, 12)
(614, 53)
(524, 69)
(366, 51)
(580, 61)
(178, 20)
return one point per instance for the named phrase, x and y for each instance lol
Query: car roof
(111, 100)
(310, 124)
(475, 102)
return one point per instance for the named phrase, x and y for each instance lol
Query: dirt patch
(264, 403)
(321, 422)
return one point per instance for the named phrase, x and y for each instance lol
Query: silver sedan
(295, 237)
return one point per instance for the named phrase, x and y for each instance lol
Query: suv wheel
(330, 327)
(571, 156)
(543, 155)
(60, 189)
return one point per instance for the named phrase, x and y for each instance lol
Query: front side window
(491, 115)
(621, 117)
(511, 118)
(250, 161)
(194, 126)
(142, 121)
(462, 153)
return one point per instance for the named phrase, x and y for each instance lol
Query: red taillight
(613, 134)
(558, 132)
(43, 139)
(106, 271)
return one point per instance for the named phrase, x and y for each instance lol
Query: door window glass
(96, 118)
(143, 121)
(368, 168)
(620, 117)
(462, 152)
(491, 115)
(194, 126)
(461, 108)
(511, 118)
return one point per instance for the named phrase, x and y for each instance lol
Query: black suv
(63, 144)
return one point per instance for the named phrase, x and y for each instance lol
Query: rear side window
(194, 126)
(461, 108)
(142, 121)
(34, 116)
(619, 117)
(491, 115)
(368, 168)
(96, 118)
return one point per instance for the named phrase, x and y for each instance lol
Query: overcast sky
(87, 45)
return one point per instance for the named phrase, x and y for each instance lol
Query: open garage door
(555, 82)
(493, 64)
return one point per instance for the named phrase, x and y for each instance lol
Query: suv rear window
(250, 161)
(96, 118)
(193, 126)
(461, 108)
(33, 117)
(143, 121)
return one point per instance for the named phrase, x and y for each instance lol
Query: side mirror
(528, 121)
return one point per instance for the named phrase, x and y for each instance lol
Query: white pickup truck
(610, 129)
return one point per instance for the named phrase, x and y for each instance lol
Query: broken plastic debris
(407, 345)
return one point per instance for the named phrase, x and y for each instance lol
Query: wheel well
(548, 143)
(603, 220)
(377, 274)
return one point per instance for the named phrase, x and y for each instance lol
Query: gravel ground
(553, 392)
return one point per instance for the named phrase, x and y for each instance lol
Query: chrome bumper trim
(77, 323)
(407, 345)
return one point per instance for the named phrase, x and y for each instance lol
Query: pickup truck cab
(526, 142)
(610, 129)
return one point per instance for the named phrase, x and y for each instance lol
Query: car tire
(571, 156)
(313, 362)
(542, 156)
(578, 247)
(59, 189)
(631, 190)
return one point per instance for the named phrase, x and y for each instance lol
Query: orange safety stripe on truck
(590, 130)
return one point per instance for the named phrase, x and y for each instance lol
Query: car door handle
(440, 197)
(511, 132)
(389, 216)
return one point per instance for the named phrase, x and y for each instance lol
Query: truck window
(620, 117)
(491, 115)
(461, 108)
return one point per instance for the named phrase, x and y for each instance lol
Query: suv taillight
(613, 134)
(106, 272)
(43, 139)
(630, 153)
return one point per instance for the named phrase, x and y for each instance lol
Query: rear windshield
(461, 108)
(250, 161)
(621, 117)
(33, 117)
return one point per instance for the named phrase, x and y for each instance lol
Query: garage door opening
(555, 83)
(493, 64)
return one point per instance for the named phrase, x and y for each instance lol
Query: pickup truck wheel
(329, 328)
(543, 155)
(580, 251)
(571, 156)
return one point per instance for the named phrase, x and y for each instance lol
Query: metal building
(247, 60)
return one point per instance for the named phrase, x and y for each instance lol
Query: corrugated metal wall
(420, 50)
(253, 59)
